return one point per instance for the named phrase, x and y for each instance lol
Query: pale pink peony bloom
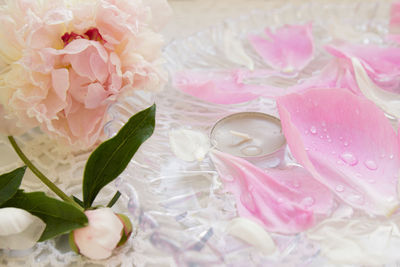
(63, 63)
(106, 230)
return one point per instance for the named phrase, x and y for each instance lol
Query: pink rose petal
(289, 49)
(347, 144)
(282, 200)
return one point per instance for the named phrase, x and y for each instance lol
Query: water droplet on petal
(371, 165)
(371, 181)
(349, 158)
(346, 143)
(321, 136)
(313, 130)
(323, 124)
(391, 156)
(329, 140)
(340, 188)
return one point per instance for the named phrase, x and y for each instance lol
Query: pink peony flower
(106, 231)
(63, 63)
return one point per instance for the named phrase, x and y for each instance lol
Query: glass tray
(179, 208)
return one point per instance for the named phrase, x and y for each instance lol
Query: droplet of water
(371, 165)
(329, 140)
(349, 158)
(346, 143)
(308, 201)
(339, 188)
(340, 138)
(323, 124)
(321, 136)
(313, 130)
(251, 150)
(391, 156)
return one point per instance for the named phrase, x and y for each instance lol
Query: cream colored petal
(189, 145)
(251, 233)
(389, 102)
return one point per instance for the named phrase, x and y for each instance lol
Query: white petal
(234, 50)
(251, 233)
(389, 102)
(189, 145)
(19, 229)
(358, 241)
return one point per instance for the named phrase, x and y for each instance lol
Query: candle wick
(245, 137)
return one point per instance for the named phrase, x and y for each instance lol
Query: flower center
(92, 34)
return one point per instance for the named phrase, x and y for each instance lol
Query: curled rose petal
(288, 49)
(387, 101)
(19, 229)
(346, 143)
(283, 201)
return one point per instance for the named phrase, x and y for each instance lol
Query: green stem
(40, 175)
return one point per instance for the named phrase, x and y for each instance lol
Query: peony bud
(19, 229)
(106, 231)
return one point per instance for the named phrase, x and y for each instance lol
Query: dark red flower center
(91, 34)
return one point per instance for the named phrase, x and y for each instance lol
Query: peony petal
(281, 205)
(251, 233)
(337, 73)
(19, 229)
(387, 101)
(60, 82)
(358, 241)
(221, 87)
(234, 50)
(394, 24)
(346, 143)
(189, 145)
(96, 95)
(289, 49)
(381, 63)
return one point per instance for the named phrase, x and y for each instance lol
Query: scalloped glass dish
(180, 207)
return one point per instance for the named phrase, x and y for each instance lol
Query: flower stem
(40, 175)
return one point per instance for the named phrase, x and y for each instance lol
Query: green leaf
(9, 183)
(111, 158)
(60, 217)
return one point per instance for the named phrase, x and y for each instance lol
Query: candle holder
(254, 136)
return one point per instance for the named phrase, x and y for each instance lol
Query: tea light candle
(248, 134)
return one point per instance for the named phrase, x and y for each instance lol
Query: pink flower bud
(106, 231)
